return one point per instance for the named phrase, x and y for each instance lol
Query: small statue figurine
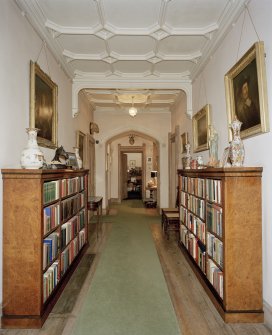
(213, 147)
(188, 156)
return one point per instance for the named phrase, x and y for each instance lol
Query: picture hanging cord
(246, 9)
(44, 47)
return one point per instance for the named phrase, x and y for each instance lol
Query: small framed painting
(184, 141)
(201, 122)
(80, 144)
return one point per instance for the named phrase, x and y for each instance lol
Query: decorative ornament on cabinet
(237, 151)
(32, 157)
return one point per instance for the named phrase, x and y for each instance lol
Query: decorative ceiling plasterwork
(143, 44)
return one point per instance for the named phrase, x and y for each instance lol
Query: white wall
(257, 148)
(20, 44)
(114, 123)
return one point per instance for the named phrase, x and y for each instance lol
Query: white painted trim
(267, 314)
(81, 83)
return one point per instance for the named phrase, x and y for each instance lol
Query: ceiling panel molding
(165, 46)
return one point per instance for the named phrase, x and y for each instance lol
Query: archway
(145, 144)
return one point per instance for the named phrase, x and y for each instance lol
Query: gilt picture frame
(43, 106)
(81, 145)
(246, 93)
(201, 122)
(184, 141)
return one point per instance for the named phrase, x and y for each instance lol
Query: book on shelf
(50, 191)
(51, 217)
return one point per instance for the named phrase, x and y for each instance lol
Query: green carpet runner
(128, 294)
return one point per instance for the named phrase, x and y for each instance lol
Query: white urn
(32, 157)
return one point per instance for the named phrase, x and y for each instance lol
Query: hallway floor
(125, 249)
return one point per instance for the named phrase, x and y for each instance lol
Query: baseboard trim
(114, 201)
(267, 314)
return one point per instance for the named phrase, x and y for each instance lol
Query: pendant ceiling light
(132, 111)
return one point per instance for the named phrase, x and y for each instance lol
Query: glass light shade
(132, 111)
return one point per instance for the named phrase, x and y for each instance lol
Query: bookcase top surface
(224, 171)
(39, 173)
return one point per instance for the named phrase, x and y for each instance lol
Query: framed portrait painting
(184, 141)
(43, 106)
(80, 144)
(246, 92)
(201, 122)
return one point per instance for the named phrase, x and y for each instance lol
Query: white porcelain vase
(32, 157)
(237, 151)
(79, 160)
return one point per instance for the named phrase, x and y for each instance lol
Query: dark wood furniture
(221, 237)
(95, 205)
(32, 280)
(166, 221)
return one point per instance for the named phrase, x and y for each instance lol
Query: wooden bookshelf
(36, 271)
(230, 207)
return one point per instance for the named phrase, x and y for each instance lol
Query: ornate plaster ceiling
(125, 41)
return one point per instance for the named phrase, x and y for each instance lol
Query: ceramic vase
(237, 151)
(79, 160)
(32, 157)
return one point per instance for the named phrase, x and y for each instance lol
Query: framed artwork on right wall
(246, 92)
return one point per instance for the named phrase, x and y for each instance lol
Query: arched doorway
(118, 144)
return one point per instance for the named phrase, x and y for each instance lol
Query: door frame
(124, 150)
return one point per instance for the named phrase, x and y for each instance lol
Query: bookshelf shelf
(45, 234)
(229, 263)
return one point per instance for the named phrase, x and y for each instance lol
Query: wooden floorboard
(195, 312)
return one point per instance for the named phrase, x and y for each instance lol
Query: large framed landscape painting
(246, 92)
(43, 106)
(201, 122)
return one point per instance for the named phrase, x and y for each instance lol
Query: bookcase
(221, 237)
(45, 234)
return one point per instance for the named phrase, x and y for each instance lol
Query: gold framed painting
(43, 106)
(81, 145)
(184, 141)
(201, 122)
(246, 92)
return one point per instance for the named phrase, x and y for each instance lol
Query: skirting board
(267, 314)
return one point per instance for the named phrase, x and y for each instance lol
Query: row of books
(70, 252)
(69, 186)
(81, 199)
(50, 191)
(197, 206)
(51, 217)
(82, 214)
(69, 230)
(216, 277)
(214, 219)
(193, 223)
(194, 186)
(50, 248)
(196, 226)
(215, 249)
(194, 204)
(213, 190)
(50, 280)
(194, 246)
(70, 207)
(82, 182)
